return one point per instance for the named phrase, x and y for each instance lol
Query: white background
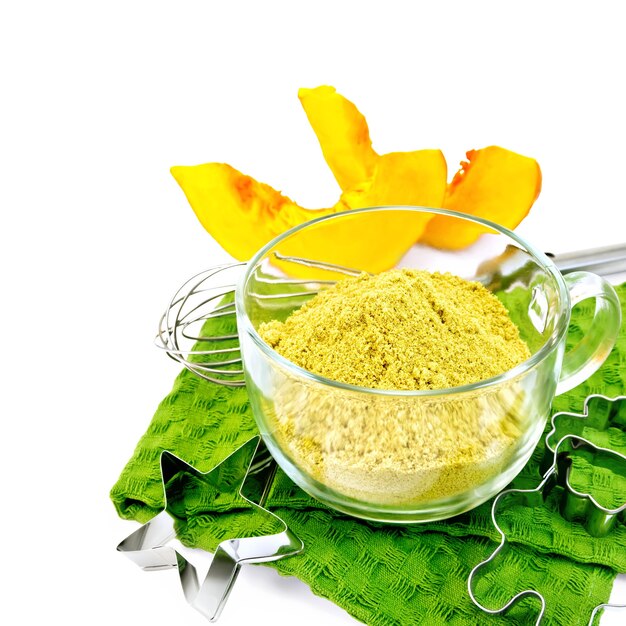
(99, 99)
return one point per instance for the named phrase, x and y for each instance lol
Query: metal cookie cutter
(600, 413)
(147, 546)
(557, 475)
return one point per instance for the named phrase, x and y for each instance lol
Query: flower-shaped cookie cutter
(147, 546)
(599, 413)
(557, 475)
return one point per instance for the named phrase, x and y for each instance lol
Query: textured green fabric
(387, 575)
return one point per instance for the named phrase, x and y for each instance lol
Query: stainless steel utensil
(251, 468)
(598, 520)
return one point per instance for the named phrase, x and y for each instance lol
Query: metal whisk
(210, 295)
(207, 295)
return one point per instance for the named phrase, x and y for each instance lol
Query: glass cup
(413, 456)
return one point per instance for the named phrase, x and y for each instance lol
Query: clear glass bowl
(413, 456)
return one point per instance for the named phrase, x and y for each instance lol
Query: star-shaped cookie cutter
(557, 474)
(147, 546)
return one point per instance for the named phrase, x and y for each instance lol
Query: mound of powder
(401, 329)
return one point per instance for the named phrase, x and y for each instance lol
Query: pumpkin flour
(403, 330)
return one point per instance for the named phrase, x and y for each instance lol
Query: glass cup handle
(587, 356)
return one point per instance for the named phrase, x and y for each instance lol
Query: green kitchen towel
(387, 575)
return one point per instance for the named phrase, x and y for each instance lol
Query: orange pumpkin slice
(403, 178)
(343, 135)
(494, 183)
(243, 215)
